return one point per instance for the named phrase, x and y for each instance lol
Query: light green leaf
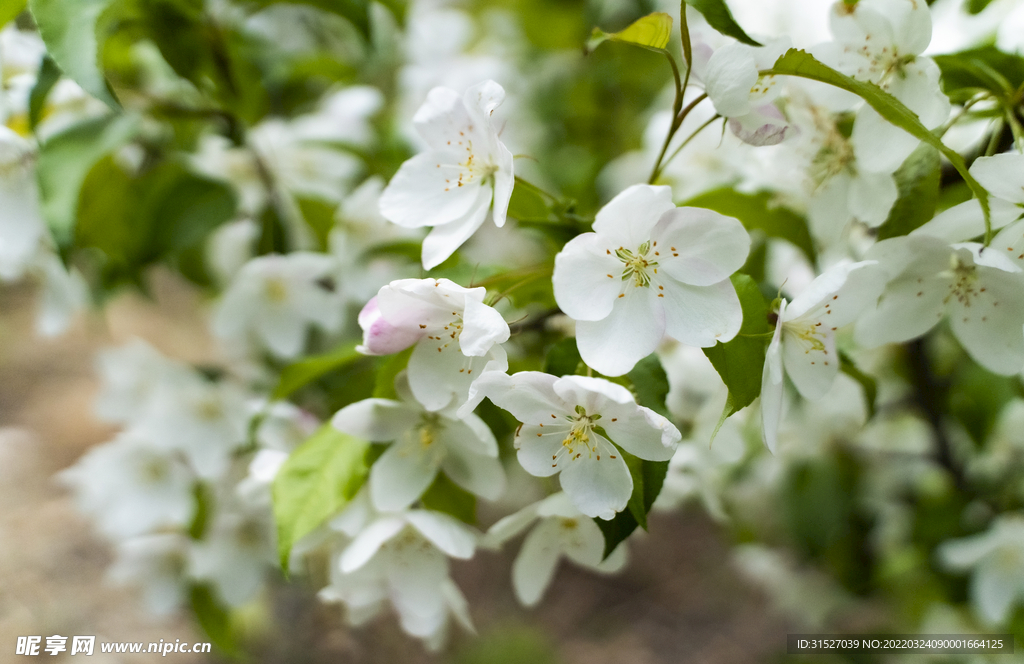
(443, 495)
(214, 618)
(759, 212)
(69, 31)
(307, 370)
(800, 63)
(651, 31)
(977, 6)
(388, 369)
(9, 10)
(315, 483)
(650, 383)
(741, 361)
(918, 182)
(718, 16)
(66, 158)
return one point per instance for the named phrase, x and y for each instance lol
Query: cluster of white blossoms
(766, 329)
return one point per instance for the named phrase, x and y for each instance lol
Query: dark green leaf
(563, 359)
(306, 370)
(214, 618)
(984, 68)
(49, 74)
(69, 31)
(918, 182)
(740, 362)
(636, 500)
(650, 382)
(66, 158)
(759, 212)
(443, 495)
(650, 476)
(718, 16)
(201, 518)
(977, 6)
(800, 63)
(315, 483)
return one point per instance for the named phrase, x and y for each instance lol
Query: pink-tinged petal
(483, 327)
(879, 146)
(368, 542)
(641, 432)
(1002, 175)
(381, 337)
(598, 487)
(990, 321)
(628, 334)
(445, 238)
(535, 565)
(871, 197)
(772, 387)
(445, 532)
(426, 191)
(376, 420)
(764, 125)
(401, 475)
(504, 181)
(699, 247)
(701, 315)
(627, 219)
(540, 451)
(811, 361)
(587, 277)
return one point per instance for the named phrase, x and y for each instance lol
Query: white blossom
(996, 560)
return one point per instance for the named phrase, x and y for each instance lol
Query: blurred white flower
(996, 561)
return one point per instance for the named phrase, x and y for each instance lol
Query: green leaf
(759, 212)
(918, 182)
(527, 203)
(66, 158)
(985, 68)
(648, 478)
(800, 63)
(867, 383)
(315, 483)
(650, 382)
(651, 31)
(201, 518)
(69, 31)
(718, 16)
(214, 618)
(387, 370)
(563, 359)
(443, 495)
(740, 361)
(977, 6)
(307, 370)
(49, 74)
(9, 10)
(186, 208)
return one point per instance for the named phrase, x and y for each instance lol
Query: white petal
(445, 532)
(439, 373)
(401, 475)
(442, 116)
(377, 420)
(965, 553)
(1011, 241)
(592, 393)
(528, 395)
(641, 432)
(587, 277)
(445, 238)
(598, 488)
(993, 594)
(699, 247)
(879, 145)
(484, 97)
(871, 197)
(504, 181)
(535, 565)
(731, 73)
(811, 369)
(582, 542)
(508, 527)
(483, 327)
(425, 191)
(1002, 175)
(772, 387)
(918, 88)
(990, 324)
(628, 334)
(368, 542)
(540, 450)
(839, 295)
(628, 218)
(476, 473)
(910, 305)
(282, 332)
(764, 125)
(702, 315)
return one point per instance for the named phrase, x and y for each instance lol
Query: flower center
(275, 290)
(965, 281)
(428, 428)
(637, 264)
(809, 334)
(448, 334)
(578, 441)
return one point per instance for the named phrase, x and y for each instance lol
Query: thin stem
(993, 141)
(677, 122)
(684, 143)
(684, 36)
(941, 131)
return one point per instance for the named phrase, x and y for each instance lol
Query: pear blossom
(457, 337)
(423, 442)
(804, 346)
(650, 269)
(401, 558)
(561, 530)
(979, 289)
(275, 298)
(569, 427)
(466, 172)
(881, 41)
(996, 559)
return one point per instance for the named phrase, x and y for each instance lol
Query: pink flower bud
(381, 337)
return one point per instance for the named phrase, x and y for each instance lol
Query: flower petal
(702, 315)
(699, 247)
(772, 386)
(1002, 175)
(444, 532)
(627, 219)
(368, 542)
(598, 487)
(587, 277)
(445, 238)
(483, 327)
(879, 145)
(535, 565)
(871, 197)
(641, 432)
(540, 450)
(425, 191)
(628, 334)
(990, 322)
(993, 593)
(377, 420)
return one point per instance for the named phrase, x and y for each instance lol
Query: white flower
(881, 41)
(996, 557)
(650, 269)
(275, 298)
(979, 289)
(234, 554)
(131, 487)
(452, 186)
(457, 336)
(401, 558)
(804, 346)
(560, 433)
(423, 442)
(157, 563)
(63, 295)
(562, 530)
(21, 220)
(130, 375)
